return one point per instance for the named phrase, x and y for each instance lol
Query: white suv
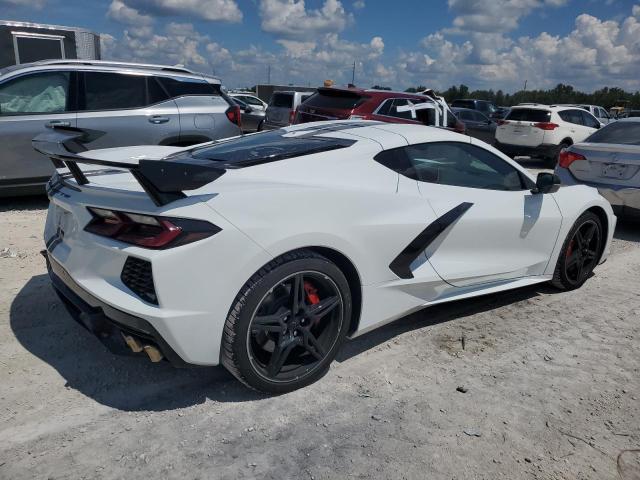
(543, 130)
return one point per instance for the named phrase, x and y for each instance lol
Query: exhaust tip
(132, 343)
(154, 354)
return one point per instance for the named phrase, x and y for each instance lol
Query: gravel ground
(547, 386)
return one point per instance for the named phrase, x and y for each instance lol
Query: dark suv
(330, 103)
(484, 106)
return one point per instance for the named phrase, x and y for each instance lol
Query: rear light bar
(566, 158)
(546, 125)
(292, 116)
(147, 231)
(233, 114)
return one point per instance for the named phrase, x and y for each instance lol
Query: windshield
(626, 133)
(334, 100)
(267, 147)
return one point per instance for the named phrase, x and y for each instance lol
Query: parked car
(282, 109)
(252, 117)
(484, 106)
(122, 103)
(543, 130)
(335, 240)
(630, 114)
(595, 110)
(331, 103)
(608, 160)
(478, 125)
(249, 99)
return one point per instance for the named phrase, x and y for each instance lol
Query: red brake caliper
(312, 293)
(570, 249)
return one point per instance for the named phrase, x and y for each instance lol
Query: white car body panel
(341, 200)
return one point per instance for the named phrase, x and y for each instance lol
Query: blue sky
(484, 44)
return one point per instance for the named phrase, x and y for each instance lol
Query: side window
(45, 92)
(385, 107)
(250, 101)
(114, 91)
(462, 165)
(464, 115)
(571, 116)
(478, 117)
(589, 120)
(400, 102)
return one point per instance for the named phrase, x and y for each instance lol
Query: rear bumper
(624, 200)
(543, 150)
(108, 324)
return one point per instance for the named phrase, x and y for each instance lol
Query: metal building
(23, 42)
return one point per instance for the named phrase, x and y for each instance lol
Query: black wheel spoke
(590, 255)
(573, 259)
(319, 310)
(588, 234)
(279, 356)
(579, 239)
(270, 323)
(312, 345)
(297, 294)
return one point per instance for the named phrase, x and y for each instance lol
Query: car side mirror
(546, 183)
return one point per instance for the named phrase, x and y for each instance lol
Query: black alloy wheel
(580, 253)
(288, 323)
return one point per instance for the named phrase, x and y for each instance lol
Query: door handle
(57, 123)
(156, 119)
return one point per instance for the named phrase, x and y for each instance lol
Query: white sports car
(264, 252)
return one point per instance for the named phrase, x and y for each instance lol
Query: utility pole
(525, 86)
(353, 74)
(268, 74)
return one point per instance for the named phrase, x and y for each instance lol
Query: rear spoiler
(164, 180)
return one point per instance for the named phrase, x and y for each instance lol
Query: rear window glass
(267, 147)
(178, 87)
(528, 115)
(627, 133)
(284, 100)
(338, 100)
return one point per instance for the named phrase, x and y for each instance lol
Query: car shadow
(437, 314)
(43, 327)
(627, 230)
(35, 202)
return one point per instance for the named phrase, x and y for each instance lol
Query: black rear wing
(164, 180)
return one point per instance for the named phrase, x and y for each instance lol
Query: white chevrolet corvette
(264, 252)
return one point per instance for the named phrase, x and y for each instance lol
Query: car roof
(375, 93)
(387, 135)
(103, 65)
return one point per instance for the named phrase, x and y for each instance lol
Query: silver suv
(120, 104)
(282, 109)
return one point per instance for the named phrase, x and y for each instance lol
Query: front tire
(287, 323)
(580, 253)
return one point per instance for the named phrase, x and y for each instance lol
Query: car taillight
(233, 114)
(292, 116)
(460, 127)
(148, 231)
(567, 157)
(546, 125)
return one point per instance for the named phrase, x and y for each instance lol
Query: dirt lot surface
(551, 390)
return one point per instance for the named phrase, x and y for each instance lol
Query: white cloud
(358, 5)
(596, 53)
(211, 10)
(120, 12)
(37, 4)
(495, 15)
(291, 19)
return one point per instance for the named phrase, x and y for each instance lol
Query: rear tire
(287, 323)
(580, 253)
